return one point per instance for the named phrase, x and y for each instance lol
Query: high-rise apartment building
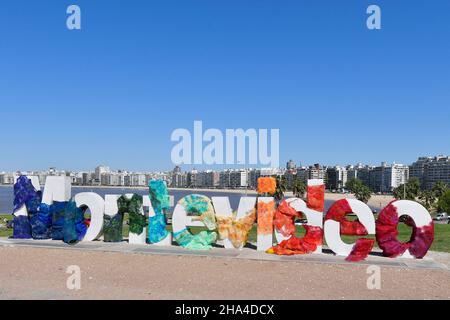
(99, 171)
(386, 178)
(336, 178)
(290, 165)
(302, 174)
(254, 174)
(317, 172)
(417, 169)
(6, 178)
(430, 170)
(238, 179)
(224, 179)
(211, 179)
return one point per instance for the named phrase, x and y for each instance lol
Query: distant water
(6, 199)
(7, 195)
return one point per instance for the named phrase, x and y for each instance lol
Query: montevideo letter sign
(55, 214)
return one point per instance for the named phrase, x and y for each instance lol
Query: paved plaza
(37, 270)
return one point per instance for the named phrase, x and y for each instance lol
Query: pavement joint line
(246, 254)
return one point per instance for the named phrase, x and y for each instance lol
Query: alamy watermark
(214, 147)
(374, 280)
(73, 21)
(74, 280)
(374, 20)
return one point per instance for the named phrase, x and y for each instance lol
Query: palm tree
(409, 191)
(428, 198)
(444, 202)
(298, 188)
(363, 194)
(439, 189)
(361, 191)
(281, 188)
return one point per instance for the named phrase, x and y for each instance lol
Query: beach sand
(376, 201)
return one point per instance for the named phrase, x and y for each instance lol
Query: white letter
(96, 206)
(57, 188)
(35, 182)
(264, 232)
(419, 215)
(112, 208)
(223, 209)
(167, 241)
(333, 228)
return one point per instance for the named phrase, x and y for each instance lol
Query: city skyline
(190, 167)
(382, 178)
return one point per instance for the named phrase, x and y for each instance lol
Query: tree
(427, 198)
(439, 189)
(444, 202)
(281, 188)
(353, 184)
(298, 188)
(361, 191)
(409, 191)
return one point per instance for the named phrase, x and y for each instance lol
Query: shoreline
(376, 201)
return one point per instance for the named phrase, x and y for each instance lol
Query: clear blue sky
(113, 92)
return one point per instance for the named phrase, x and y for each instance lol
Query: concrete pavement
(247, 253)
